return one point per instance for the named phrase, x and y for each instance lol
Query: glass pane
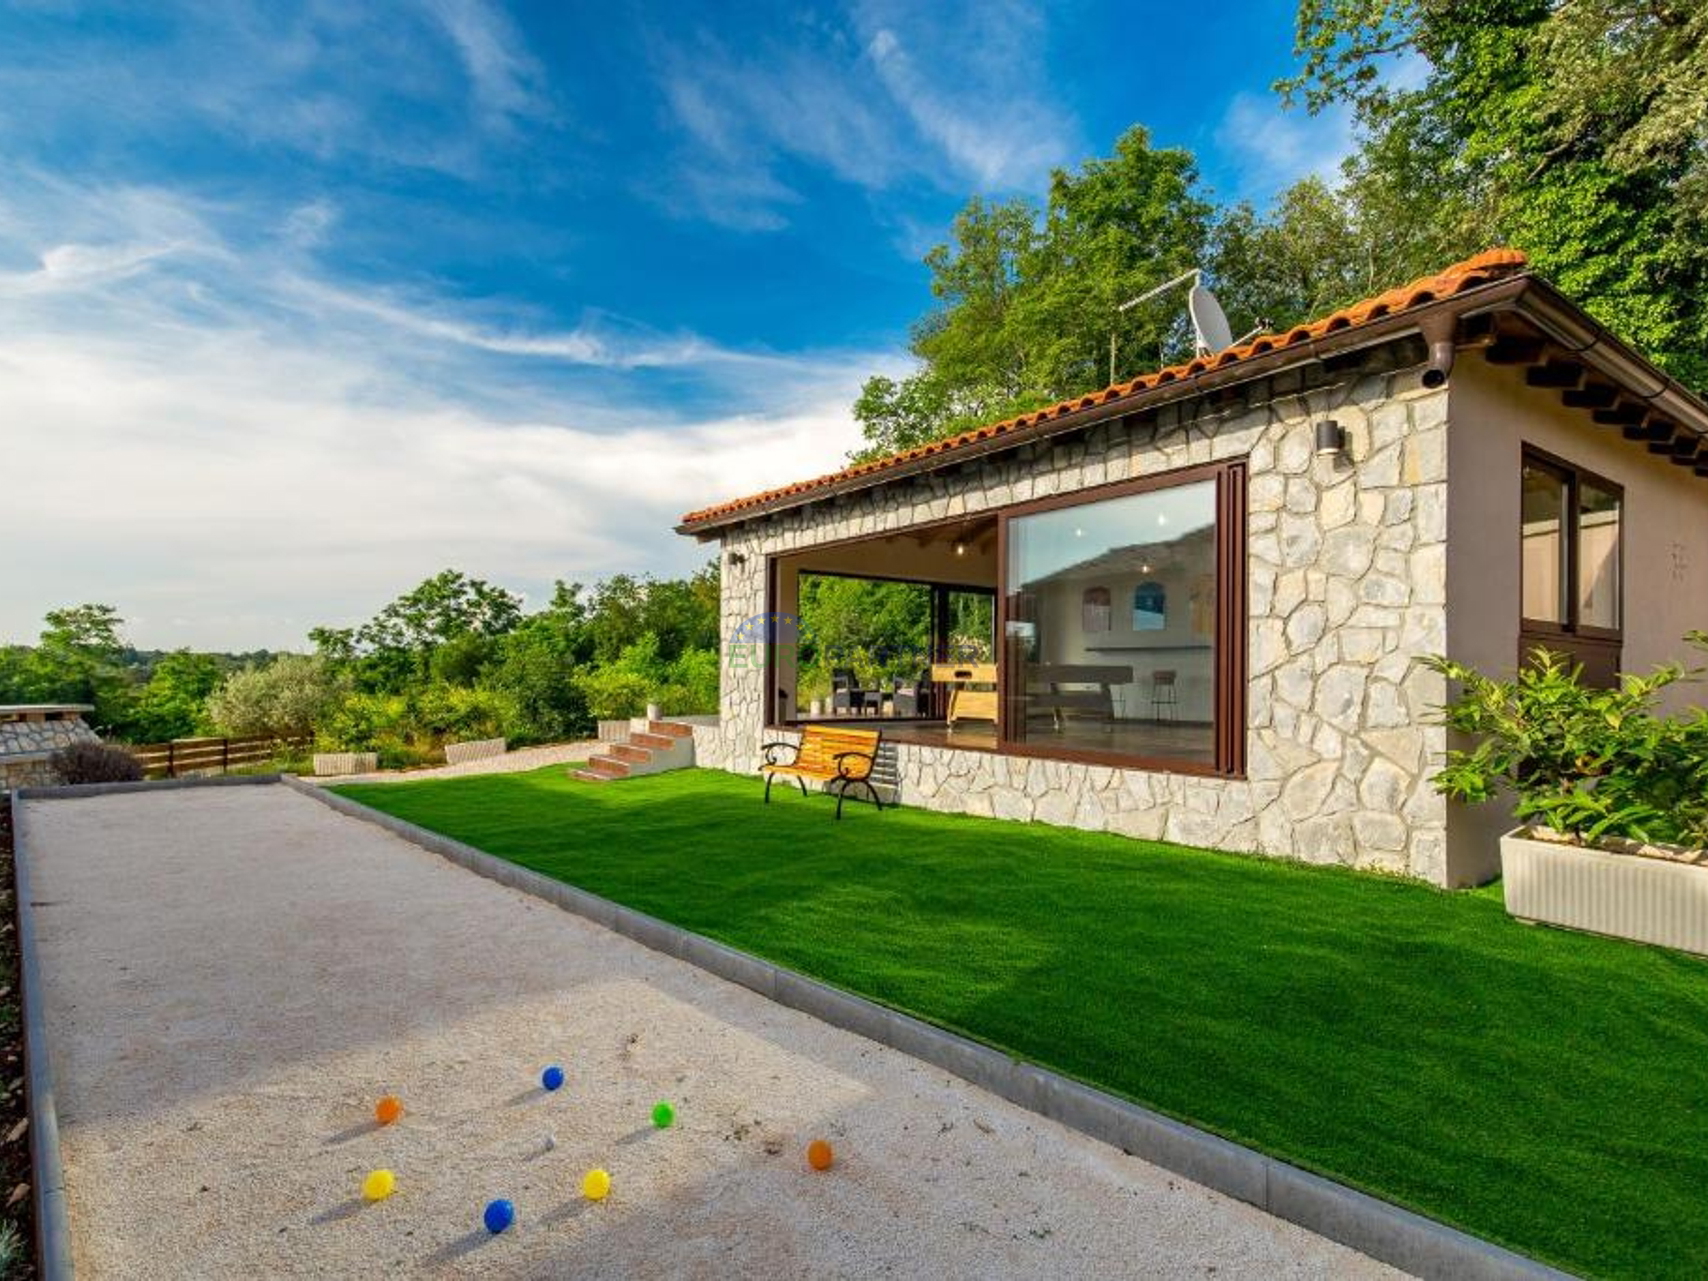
(1598, 557)
(860, 639)
(1145, 686)
(972, 627)
(1542, 517)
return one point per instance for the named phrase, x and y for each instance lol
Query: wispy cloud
(1270, 146)
(322, 80)
(241, 428)
(507, 81)
(884, 96)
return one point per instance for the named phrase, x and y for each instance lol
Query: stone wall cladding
(1347, 589)
(24, 745)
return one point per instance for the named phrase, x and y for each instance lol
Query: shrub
(454, 714)
(89, 762)
(1588, 763)
(360, 721)
(614, 691)
(285, 699)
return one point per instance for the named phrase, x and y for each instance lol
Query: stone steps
(652, 747)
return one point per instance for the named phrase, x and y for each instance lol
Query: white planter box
(329, 763)
(479, 749)
(1629, 896)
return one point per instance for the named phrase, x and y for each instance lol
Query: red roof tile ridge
(1479, 269)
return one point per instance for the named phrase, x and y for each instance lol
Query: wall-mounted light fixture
(737, 560)
(1331, 437)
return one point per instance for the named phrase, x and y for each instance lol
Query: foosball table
(972, 690)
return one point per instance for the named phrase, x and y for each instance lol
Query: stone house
(1200, 597)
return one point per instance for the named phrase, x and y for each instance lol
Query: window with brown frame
(1571, 574)
(1154, 687)
(1160, 686)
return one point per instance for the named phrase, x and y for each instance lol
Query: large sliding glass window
(1153, 682)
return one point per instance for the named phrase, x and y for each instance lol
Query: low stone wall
(27, 744)
(479, 749)
(330, 764)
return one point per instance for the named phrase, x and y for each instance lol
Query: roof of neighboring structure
(1491, 267)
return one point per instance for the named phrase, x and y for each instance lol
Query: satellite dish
(1209, 322)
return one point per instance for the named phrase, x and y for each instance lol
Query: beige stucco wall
(1494, 414)
(1346, 569)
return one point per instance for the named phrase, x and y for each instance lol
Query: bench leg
(842, 793)
(768, 779)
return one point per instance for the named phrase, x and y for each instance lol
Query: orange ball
(819, 1155)
(388, 1109)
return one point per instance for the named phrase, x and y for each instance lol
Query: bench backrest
(821, 744)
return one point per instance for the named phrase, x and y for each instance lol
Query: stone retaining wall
(1347, 590)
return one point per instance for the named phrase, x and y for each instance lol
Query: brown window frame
(1597, 648)
(1231, 622)
(1231, 639)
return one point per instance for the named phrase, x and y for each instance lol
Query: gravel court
(234, 976)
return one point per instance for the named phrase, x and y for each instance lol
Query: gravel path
(233, 976)
(523, 758)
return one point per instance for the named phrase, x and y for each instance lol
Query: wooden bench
(836, 757)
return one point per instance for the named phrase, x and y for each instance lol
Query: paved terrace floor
(234, 975)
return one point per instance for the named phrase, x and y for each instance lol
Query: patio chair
(913, 697)
(846, 696)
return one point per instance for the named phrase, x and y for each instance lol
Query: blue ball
(552, 1077)
(499, 1215)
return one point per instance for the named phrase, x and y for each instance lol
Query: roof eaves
(1381, 323)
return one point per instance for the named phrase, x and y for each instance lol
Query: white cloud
(891, 96)
(507, 81)
(230, 448)
(426, 84)
(1271, 147)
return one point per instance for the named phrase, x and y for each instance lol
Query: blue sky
(300, 303)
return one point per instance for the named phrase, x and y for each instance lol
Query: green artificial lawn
(1539, 1088)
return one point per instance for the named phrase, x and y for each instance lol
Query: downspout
(1438, 331)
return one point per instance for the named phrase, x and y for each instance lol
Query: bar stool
(1163, 696)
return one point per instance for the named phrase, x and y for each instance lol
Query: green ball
(663, 1116)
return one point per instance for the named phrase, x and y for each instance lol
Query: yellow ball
(379, 1185)
(596, 1186)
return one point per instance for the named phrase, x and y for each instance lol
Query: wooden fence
(209, 755)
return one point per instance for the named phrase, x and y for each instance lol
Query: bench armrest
(842, 768)
(770, 748)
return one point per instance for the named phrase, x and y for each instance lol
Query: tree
(444, 607)
(1576, 131)
(537, 670)
(173, 702)
(1028, 299)
(1306, 256)
(93, 630)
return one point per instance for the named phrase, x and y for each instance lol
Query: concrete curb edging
(1383, 1231)
(47, 1176)
(76, 791)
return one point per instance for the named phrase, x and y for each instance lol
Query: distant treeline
(453, 658)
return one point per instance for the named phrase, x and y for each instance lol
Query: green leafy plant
(1586, 762)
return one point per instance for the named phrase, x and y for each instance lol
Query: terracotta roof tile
(1488, 266)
